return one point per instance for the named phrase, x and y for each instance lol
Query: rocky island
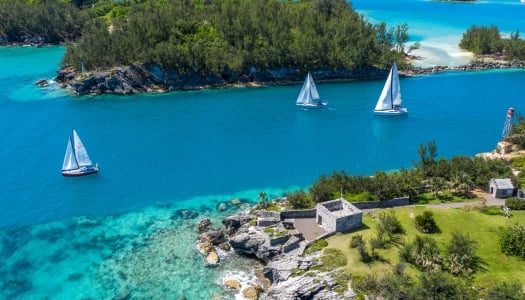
(151, 78)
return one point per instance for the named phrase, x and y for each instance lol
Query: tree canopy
(209, 37)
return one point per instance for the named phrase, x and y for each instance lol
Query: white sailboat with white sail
(77, 161)
(390, 101)
(309, 96)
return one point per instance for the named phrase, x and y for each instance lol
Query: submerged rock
(232, 283)
(214, 236)
(203, 224)
(251, 292)
(212, 259)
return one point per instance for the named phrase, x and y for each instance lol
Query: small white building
(501, 187)
(338, 215)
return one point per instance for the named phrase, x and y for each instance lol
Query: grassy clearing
(483, 228)
(443, 197)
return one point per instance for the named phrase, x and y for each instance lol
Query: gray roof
(503, 183)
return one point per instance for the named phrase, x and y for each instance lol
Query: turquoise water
(169, 160)
(439, 25)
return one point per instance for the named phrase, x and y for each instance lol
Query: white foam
(245, 279)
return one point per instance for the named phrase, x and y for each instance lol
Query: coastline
(150, 78)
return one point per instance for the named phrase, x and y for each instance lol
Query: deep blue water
(163, 152)
(177, 146)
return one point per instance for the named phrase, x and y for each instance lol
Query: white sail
(81, 154)
(77, 161)
(391, 93)
(309, 93)
(70, 162)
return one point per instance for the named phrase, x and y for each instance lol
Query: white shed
(501, 188)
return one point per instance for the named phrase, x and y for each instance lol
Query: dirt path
(489, 201)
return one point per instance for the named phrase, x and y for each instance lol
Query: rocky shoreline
(286, 275)
(151, 78)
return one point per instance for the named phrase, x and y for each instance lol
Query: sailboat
(309, 96)
(389, 102)
(77, 161)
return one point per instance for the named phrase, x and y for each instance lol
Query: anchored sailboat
(77, 161)
(309, 96)
(390, 102)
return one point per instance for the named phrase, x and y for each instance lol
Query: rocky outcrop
(253, 243)
(152, 78)
(232, 223)
(282, 267)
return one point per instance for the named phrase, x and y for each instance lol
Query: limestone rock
(221, 206)
(214, 236)
(225, 246)
(203, 224)
(205, 247)
(232, 283)
(251, 292)
(212, 259)
(232, 223)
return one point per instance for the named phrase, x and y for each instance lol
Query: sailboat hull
(391, 112)
(312, 105)
(80, 172)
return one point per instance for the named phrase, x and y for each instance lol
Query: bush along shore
(149, 78)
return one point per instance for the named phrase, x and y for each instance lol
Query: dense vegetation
(46, 21)
(209, 37)
(204, 36)
(458, 175)
(488, 40)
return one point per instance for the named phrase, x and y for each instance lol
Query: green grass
(442, 197)
(483, 228)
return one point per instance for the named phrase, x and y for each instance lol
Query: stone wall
(298, 214)
(325, 218)
(333, 205)
(349, 222)
(382, 204)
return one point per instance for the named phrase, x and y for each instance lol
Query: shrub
(316, 246)
(333, 258)
(491, 210)
(515, 203)
(356, 241)
(389, 223)
(425, 222)
(363, 253)
(505, 290)
(460, 256)
(512, 240)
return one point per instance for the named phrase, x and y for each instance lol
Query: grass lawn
(443, 197)
(483, 228)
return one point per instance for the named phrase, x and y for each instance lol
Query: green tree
(482, 40)
(299, 200)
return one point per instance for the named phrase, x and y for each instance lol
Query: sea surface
(169, 160)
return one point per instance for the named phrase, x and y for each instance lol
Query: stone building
(338, 215)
